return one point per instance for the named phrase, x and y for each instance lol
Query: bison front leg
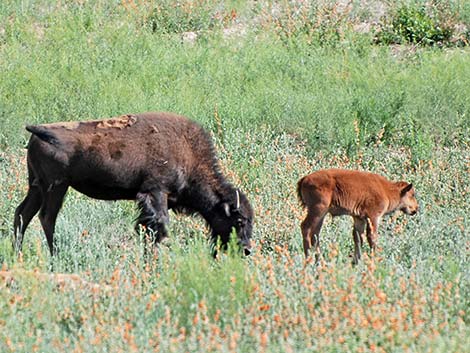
(153, 214)
(358, 231)
(372, 226)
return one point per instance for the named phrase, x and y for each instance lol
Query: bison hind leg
(153, 216)
(311, 227)
(23, 215)
(50, 207)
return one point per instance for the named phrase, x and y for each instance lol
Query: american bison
(364, 196)
(161, 160)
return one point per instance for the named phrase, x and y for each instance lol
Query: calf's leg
(311, 227)
(358, 231)
(372, 226)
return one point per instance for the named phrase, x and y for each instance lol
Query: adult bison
(161, 160)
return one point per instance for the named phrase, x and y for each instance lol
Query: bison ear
(406, 189)
(226, 207)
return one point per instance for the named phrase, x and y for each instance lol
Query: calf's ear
(406, 189)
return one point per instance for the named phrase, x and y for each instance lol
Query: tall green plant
(416, 23)
(184, 16)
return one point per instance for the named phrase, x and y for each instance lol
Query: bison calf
(364, 196)
(161, 160)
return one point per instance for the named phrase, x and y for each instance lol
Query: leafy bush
(416, 24)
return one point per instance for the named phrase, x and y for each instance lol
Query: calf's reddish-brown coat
(364, 196)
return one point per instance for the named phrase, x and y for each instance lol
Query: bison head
(237, 214)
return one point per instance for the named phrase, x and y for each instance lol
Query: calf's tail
(44, 134)
(299, 192)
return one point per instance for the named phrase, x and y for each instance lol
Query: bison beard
(161, 160)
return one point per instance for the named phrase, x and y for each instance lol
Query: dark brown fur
(364, 196)
(161, 160)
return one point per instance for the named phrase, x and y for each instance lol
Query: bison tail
(299, 192)
(43, 133)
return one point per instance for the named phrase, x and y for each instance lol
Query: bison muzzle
(162, 160)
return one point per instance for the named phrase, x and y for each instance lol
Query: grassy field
(286, 88)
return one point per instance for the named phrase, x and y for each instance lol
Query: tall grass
(77, 65)
(279, 104)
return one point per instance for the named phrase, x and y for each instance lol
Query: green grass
(280, 103)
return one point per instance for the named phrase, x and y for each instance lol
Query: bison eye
(240, 222)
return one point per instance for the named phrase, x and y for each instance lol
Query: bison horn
(237, 206)
(226, 209)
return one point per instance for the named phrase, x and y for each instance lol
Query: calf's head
(408, 202)
(235, 213)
